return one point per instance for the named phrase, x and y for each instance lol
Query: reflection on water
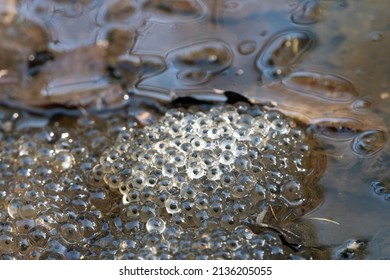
(320, 62)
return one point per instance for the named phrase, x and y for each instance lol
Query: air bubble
(376, 36)
(247, 47)
(378, 187)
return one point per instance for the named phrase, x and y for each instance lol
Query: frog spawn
(61, 199)
(211, 172)
(48, 209)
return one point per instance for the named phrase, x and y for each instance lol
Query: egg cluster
(190, 186)
(47, 208)
(215, 167)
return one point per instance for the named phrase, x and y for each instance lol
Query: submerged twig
(325, 220)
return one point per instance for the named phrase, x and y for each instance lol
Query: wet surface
(323, 64)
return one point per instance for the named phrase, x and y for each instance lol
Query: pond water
(81, 79)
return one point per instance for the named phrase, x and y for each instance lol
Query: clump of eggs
(188, 186)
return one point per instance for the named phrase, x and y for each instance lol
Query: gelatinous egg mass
(195, 184)
(213, 167)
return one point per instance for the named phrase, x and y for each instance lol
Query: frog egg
(91, 224)
(172, 205)
(227, 179)
(159, 160)
(188, 207)
(202, 122)
(188, 130)
(247, 180)
(226, 158)
(97, 172)
(155, 224)
(14, 207)
(178, 218)
(169, 170)
(261, 126)
(239, 191)
(241, 208)
(113, 181)
(39, 236)
(214, 173)
(71, 232)
(148, 194)
(28, 210)
(258, 193)
(152, 179)
(138, 180)
(243, 164)
(216, 209)
(117, 166)
(164, 183)
(172, 232)
(43, 172)
(227, 145)
(180, 178)
(230, 115)
(179, 159)
(8, 241)
(148, 210)
(175, 130)
(26, 161)
(34, 253)
(23, 226)
(203, 216)
(242, 133)
(201, 201)
(188, 191)
(195, 170)
(244, 120)
(152, 240)
(198, 144)
(281, 126)
(162, 196)
(291, 193)
(186, 147)
(21, 187)
(161, 146)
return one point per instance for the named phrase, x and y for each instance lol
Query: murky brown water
(323, 63)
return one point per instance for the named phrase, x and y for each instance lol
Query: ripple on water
(282, 52)
(174, 11)
(307, 12)
(369, 142)
(325, 86)
(199, 61)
